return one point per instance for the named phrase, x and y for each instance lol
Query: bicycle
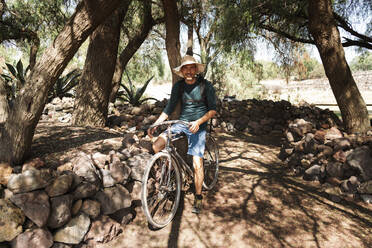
(164, 173)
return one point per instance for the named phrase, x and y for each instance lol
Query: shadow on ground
(257, 203)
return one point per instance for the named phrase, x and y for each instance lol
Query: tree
(244, 20)
(31, 21)
(93, 91)
(172, 40)
(133, 44)
(323, 28)
(17, 132)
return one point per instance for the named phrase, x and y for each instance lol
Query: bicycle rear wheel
(161, 190)
(210, 163)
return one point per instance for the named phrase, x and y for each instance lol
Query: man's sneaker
(196, 209)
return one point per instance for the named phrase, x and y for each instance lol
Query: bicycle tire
(210, 163)
(159, 199)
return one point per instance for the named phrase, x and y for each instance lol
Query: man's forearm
(210, 114)
(163, 116)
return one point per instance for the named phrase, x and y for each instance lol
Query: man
(198, 105)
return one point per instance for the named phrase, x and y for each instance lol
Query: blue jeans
(196, 141)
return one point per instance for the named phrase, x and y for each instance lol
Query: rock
(60, 211)
(136, 111)
(100, 159)
(340, 156)
(366, 198)
(65, 167)
(138, 164)
(84, 167)
(335, 169)
(333, 133)
(5, 173)
(120, 172)
(124, 216)
(28, 181)
(60, 185)
(365, 188)
(84, 190)
(103, 230)
(135, 189)
(35, 206)
(76, 207)
(320, 135)
(314, 170)
(11, 219)
(324, 151)
(74, 231)
(91, 208)
(349, 186)
(334, 194)
(36, 238)
(361, 159)
(107, 179)
(333, 181)
(35, 163)
(341, 144)
(112, 199)
(113, 143)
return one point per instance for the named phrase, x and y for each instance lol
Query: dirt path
(256, 203)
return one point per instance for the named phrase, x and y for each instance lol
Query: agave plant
(131, 94)
(64, 85)
(15, 78)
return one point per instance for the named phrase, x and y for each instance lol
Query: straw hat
(188, 60)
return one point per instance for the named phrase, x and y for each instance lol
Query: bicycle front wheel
(161, 190)
(210, 163)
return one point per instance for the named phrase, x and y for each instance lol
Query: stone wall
(88, 200)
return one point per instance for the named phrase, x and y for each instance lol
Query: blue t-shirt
(198, 107)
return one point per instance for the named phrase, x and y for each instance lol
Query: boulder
(35, 206)
(84, 167)
(60, 211)
(120, 172)
(365, 188)
(335, 169)
(11, 219)
(36, 238)
(60, 185)
(74, 231)
(91, 208)
(138, 164)
(84, 190)
(112, 199)
(361, 159)
(102, 230)
(107, 179)
(28, 181)
(5, 173)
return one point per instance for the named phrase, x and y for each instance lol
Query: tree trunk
(172, 40)
(4, 106)
(323, 28)
(93, 91)
(133, 45)
(18, 131)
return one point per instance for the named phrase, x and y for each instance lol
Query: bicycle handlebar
(169, 123)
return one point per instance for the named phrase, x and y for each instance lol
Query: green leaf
(130, 83)
(20, 74)
(142, 90)
(12, 69)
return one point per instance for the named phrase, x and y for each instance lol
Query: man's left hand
(194, 126)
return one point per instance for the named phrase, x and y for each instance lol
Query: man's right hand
(151, 131)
